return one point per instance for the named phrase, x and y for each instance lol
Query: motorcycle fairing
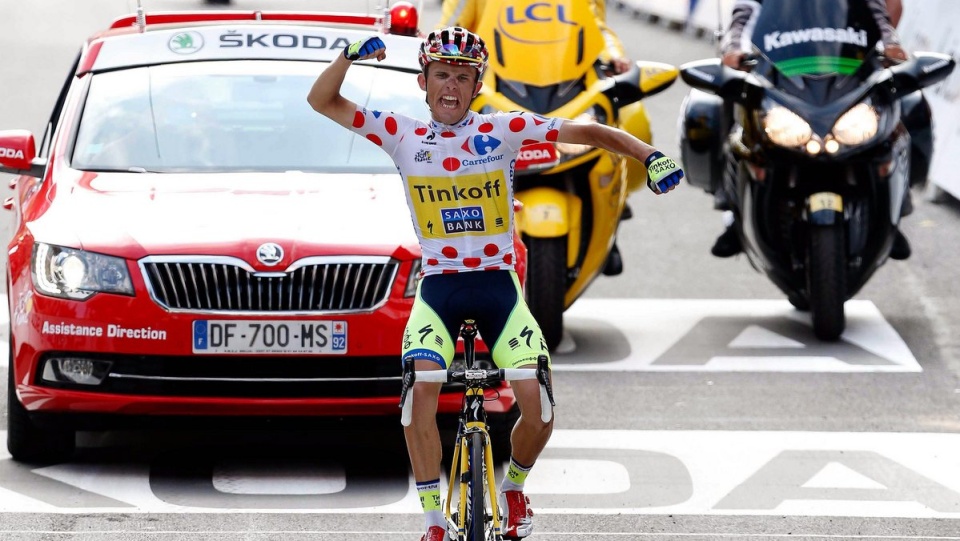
(540, 43)
(815, 37)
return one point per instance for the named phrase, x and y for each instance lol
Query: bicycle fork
(461, 479)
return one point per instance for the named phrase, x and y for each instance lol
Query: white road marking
(723, 335)
(595, 472)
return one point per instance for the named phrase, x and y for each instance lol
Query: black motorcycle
(813, 147)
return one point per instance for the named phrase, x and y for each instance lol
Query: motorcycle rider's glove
(663, 174)
(364, 48)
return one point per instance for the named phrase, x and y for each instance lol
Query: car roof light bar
(182, 17)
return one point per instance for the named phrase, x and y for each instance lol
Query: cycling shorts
(491, 298)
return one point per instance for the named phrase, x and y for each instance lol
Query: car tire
(29, 443)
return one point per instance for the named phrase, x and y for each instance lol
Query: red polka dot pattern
(450, 271)
(517, 124)
(491, 250)
(471, 262)
(391, 125)
(494, 268)
(486, 127)
(432, 262)
(530, 142)
(508, 259)
(358, 119)
(448, 134)
(451, 164)
(373, 137)
(450, 251)
(420, 131)
(552, 135)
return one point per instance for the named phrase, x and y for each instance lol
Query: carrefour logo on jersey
(480, 145)
(462, 219)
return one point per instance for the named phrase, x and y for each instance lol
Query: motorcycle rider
(467, 14)
(737, 44)
(457, 171)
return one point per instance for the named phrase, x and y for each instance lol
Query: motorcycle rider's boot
(901, 247)
(614, 263)
(906, 209)
(727, 244)
(721, 200)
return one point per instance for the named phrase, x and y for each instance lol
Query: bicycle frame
(473, 422)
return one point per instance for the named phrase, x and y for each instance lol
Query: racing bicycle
(477, 517)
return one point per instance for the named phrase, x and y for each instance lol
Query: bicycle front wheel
(477, 512)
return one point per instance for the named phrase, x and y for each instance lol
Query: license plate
(283, 337)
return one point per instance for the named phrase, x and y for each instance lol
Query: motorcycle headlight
(786, 128)
(857, 125)
(69, 273)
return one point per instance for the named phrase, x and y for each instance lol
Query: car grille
(286, 376)
(225, 284)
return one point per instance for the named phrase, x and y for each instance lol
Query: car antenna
(141, 17)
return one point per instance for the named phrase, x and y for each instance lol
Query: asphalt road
(821, 445)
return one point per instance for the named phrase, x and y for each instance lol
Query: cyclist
(458, 172)
(468, 13)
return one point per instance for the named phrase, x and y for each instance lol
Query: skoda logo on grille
(269, 253)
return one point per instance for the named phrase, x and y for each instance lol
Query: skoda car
(191, 239)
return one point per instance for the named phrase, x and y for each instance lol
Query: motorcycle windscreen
(540, 43)
(815, 37)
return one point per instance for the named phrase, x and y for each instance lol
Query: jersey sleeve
(382, 128)
(521, 128)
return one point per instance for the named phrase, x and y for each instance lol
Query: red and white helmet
(454, 45)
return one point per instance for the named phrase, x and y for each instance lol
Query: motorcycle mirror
(923, 70)
(710, 75)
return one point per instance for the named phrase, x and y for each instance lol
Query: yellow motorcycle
(543, 59)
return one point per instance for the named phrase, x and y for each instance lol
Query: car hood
(139, 214)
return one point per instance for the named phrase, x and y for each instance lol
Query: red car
(193, 240)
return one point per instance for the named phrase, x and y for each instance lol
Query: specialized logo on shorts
(525, 335)
(425, 332)
(480, 145)
(462, 219)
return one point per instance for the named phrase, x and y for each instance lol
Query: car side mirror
(18, 154)
(923, 70)
(711, 76)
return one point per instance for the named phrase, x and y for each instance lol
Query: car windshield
(232, 116)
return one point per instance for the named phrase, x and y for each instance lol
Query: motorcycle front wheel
(827, 281)
(547, 285)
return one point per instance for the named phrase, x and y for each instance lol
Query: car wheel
(29, 443)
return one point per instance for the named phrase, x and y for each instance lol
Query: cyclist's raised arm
(325, 97)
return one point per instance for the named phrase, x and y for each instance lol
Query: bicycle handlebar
(477, 377)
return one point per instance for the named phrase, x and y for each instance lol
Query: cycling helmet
(454, 45)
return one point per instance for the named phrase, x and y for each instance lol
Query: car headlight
(857, 125)
(69, 273)
(786, 128)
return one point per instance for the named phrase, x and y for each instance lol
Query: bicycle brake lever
(542, 376)
(408, 379)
